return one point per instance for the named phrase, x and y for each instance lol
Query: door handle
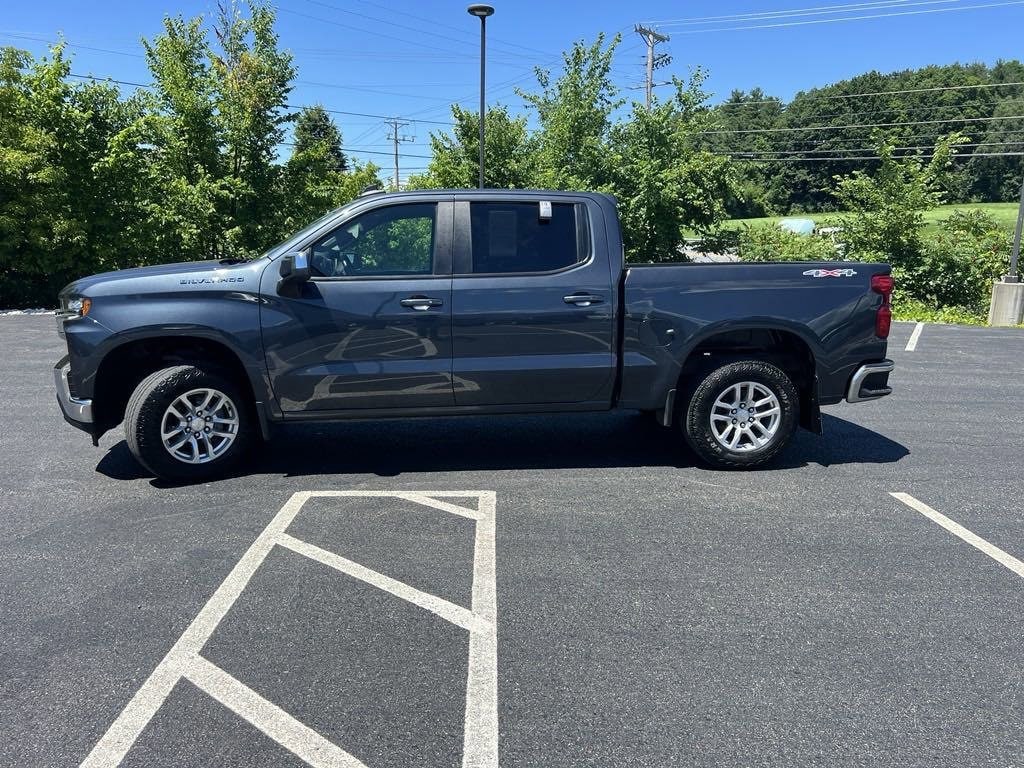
(421, 303)
(582, 299)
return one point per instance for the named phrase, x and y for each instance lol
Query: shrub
(958, 264)
(766, 242)
(922, 312)
(886, 204)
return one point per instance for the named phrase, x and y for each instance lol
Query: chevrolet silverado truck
(444, 303)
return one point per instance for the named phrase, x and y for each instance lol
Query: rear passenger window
(512, 237)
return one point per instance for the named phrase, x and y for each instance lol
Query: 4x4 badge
(830, 272)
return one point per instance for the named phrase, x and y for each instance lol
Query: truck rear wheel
(741, 415)
(188, 423)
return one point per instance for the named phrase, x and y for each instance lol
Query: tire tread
(147, 405)
(697, 432)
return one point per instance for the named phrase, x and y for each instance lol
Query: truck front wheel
(187, 423)
(741, 415)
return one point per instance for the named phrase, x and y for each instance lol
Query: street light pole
(482, 11)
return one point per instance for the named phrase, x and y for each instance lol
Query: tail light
(883, 284)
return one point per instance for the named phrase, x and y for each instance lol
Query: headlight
(78, 306)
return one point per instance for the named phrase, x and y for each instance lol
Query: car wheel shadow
(562, 441)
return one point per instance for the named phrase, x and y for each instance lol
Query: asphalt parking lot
(648, 612)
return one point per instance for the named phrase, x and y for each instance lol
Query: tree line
(791, 153)
(211, 161)
(92, 179)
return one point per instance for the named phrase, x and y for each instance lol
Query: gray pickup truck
(443, 303)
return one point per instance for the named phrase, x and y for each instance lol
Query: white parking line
(300, 739)
(1000, 556)
(480, 742)
(914, 336)
(450, 612)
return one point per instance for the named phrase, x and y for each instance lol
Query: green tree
(32, 95)
(214, 129)
(575, 117)
(454, 163)
(315, 132)
(828, 132)
(62, 206)
(998, 178)
(663, 182)
(887, 205)
(734, 118)
(185, 176)
(314, 171)
(251, 82)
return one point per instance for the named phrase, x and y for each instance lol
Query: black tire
(695, 421)
(145, 412)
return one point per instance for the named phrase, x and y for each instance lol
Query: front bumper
(870, 382)
(77, 412)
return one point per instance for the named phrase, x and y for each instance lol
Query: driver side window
(391, 241)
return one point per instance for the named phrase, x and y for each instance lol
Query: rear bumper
(77, 412)
(870, 382)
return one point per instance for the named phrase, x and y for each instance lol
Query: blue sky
(412, 59)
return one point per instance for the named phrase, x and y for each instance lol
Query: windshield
(292, 240)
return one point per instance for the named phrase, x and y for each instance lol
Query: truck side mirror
(294, 270)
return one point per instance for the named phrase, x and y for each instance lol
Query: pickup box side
(676, 315)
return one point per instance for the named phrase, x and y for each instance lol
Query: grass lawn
(1004, 213)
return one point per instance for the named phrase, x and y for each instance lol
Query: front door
(533, 309)
(372, 328)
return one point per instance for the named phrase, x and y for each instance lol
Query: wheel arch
(789, 347)
(125, 365)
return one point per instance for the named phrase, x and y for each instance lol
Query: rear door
(372, 328)
(533, 305)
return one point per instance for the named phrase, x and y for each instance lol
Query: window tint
(512, 237)
(396, 240)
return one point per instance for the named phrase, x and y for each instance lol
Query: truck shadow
(585, 441)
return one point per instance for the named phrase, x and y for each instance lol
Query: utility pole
(395, 125)
(652, 38)
(1014, 275)
(1007, 307)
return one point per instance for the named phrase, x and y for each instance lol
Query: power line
(769, 154)
(373, 32)
(449, 123)
(452, 27)
(287, 106)
(933, 89)
(871, 157)
(850, 18)
(110, 80)
(349, 150)
(866, 125)
(417, 30)
(828, 145)
(498, 87)
(48, 41)
(900, 111)
(362, 89)
(796, 12)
